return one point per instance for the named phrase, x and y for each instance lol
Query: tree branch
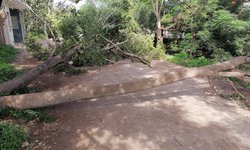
(114, 47)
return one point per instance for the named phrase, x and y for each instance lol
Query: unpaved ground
(183, 115)
(24, 60)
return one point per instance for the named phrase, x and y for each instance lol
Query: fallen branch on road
(82, 92)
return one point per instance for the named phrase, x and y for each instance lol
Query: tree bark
(157, 7)
(159, 30)
(82, 92)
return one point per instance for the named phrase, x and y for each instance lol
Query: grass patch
(7, 53)
(11, 136)
(27, 115)
(7, 71)
(183, 59)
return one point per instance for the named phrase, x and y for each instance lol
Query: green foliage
(141, 44)
(36, 20)
(7, 53)
(245, 67)
(108, 19)
(86, 23)
(183, 59)
(11, 136)
(144, 15)
(213, 27)
(34, 48)
(27, 115)
(7, 71)
(221, 55)
(245, 14)
(185, 45)
(231, 33)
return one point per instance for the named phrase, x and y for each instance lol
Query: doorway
(16, 25)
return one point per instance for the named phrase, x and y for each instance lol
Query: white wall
(7, 27)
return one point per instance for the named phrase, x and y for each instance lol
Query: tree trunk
(159, 32)
(32, 74)
(82, 92)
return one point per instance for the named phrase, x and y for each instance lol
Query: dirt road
(179, 116)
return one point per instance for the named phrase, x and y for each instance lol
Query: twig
(210, 84)
(232, 84)
(44, 21)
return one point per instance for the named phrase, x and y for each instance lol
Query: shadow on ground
(175, 116)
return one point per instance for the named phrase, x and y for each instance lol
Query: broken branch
(116, 48)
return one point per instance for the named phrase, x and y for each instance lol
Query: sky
(78, 5)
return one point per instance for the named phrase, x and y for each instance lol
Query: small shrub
(27, 115)
(11, 136)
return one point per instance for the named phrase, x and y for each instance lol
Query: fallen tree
(26, 78)
(22, 81)
(82, 92)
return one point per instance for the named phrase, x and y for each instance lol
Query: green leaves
(7, 71)
(11, 136)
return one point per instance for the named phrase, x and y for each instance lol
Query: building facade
(12, 30)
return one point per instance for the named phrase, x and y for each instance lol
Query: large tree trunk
(157, 8)
(159, 30)
(82, 92)
(32, 74)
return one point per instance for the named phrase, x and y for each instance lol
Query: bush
(245, 13)
(34, 48)
(183, 59)
(11, 136)
(142, 45)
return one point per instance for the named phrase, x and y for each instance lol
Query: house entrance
(16, 25)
